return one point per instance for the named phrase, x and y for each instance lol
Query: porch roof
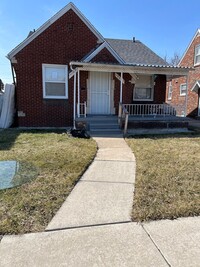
(170, 71)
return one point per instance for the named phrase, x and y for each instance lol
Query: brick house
(184, 92)
(66, 69)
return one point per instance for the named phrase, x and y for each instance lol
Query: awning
(196, 87)
(131, 68)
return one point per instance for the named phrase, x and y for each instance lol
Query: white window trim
(183, 94)
(152, 93)
(169, 97)
(66, 81)
(195, 55)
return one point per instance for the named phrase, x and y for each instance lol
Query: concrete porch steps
(104, 126)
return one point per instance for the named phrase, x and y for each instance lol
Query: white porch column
(78, 111)
(74, 123)
(121, 84)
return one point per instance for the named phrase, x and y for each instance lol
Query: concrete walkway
(104, 194)
(93, 226)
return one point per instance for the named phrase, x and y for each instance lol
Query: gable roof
(135, 52)
(95, 52)
(196, 33)
(51, 21)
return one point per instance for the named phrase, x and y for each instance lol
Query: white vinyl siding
(183, 89)
(55, 81)
(197, 55)
(143, 90)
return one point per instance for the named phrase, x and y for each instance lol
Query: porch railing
(150, 109)
(82, 110)
(126, 110)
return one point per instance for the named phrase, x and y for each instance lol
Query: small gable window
(197, 55)
(55, 81)
(183, 89)
(170, 91)
(143, 90)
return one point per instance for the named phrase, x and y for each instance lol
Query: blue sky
(166, 26)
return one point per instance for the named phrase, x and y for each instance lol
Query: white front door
(100, 92)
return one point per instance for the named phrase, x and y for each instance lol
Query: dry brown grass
(60, 160)
(167, 177)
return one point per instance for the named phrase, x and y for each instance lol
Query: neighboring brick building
(68, 62)
(187, 99)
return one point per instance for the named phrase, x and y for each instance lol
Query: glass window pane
(197, 59)
(198, 50)
(55, 89)
(143, 93)
(55, 74)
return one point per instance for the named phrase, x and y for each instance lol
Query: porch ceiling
(132, 68)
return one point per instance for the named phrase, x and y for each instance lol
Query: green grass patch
(59, 159)
(167, 177)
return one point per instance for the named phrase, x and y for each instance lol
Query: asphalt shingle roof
(135, 52)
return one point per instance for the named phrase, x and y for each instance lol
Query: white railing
(142, 110)
(150, 109)
(81, 110)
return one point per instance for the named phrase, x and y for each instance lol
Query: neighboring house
(66, 69)
(184, 93)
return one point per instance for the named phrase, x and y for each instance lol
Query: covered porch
(128, 91)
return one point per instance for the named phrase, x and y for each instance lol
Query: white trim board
(50, 22)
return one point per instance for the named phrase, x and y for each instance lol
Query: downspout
(121, 88)
(12, 69)
(74, 115)
(13, 76)
(186, 97)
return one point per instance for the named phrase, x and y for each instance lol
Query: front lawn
(59, 160)
(167, 177)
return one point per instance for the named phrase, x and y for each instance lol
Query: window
(197, 55)
(143, 90)
(55, 81)
(183, 89)
(170, 91)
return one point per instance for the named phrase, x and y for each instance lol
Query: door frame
(89, 97)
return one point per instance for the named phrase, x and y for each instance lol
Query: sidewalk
(104, 194)
(93, 227)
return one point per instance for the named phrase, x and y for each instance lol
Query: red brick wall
(56, 45)
(177, 100)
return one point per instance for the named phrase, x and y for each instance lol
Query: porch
(133, 118)
(132, 94)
